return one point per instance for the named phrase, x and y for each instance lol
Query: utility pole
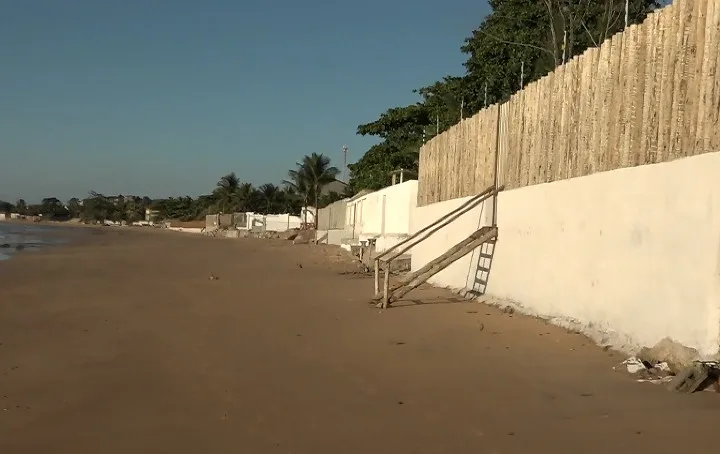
(345, 152)
(522, 75)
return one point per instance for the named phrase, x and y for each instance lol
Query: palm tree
(312, 174)
(298, 187)
(227, 192)
(320, 173)
(289, 200)
(270, 194)
(244, 196)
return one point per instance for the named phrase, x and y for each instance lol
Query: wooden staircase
(407, 283)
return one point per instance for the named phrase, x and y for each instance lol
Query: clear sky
(162, 97)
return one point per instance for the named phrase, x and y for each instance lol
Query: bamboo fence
(647, 95)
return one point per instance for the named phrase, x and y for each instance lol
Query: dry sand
(122, 344)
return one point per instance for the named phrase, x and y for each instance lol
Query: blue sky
(163, 97)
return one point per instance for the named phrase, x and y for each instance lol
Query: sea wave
(20, 237)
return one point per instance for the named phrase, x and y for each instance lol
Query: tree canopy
(518, 42)
(310, 176)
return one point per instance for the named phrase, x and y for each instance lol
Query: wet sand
(121, 343)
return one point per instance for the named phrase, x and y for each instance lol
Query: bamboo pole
(646, 95)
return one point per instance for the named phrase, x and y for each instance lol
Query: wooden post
(387, 286)
(497, 166)
(377, 277)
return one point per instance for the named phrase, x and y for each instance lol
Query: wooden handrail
(447, 220)
(439, 220)
(435, 226)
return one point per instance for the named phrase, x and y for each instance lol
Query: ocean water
(21, 238)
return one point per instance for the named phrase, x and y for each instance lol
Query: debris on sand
(677, 356)
(701, 375)
(647, 372)
(698, 376)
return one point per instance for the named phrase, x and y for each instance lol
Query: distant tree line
(303, 187)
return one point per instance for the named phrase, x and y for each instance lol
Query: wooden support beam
(415, 279)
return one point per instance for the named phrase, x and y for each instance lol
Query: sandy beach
(121, 343)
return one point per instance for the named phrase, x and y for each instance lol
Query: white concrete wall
(282, 222)
(332, 236)
(186, 229)
(631, 255)
(385, 214)
(273, 222)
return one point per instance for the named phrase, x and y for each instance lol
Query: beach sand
(121, 343)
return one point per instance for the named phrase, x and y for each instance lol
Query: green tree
(227, 192)
(402, 131)
(290, 201)
(52, 208)
(520, 41)
(21, 206)
(6, 207)
(373, 170)
(248, 199)
(97, 207)
(313, 173)
(74, 207)
(270, 195)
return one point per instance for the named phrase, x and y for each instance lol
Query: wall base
(628, 257)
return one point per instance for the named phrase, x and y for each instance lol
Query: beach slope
(123, 343)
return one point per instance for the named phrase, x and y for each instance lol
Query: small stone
(677, 356)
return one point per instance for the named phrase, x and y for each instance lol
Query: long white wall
(631, 255)
(385, 214)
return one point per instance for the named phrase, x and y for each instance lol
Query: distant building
(334, 186)
(151, 214)
(116, 199)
